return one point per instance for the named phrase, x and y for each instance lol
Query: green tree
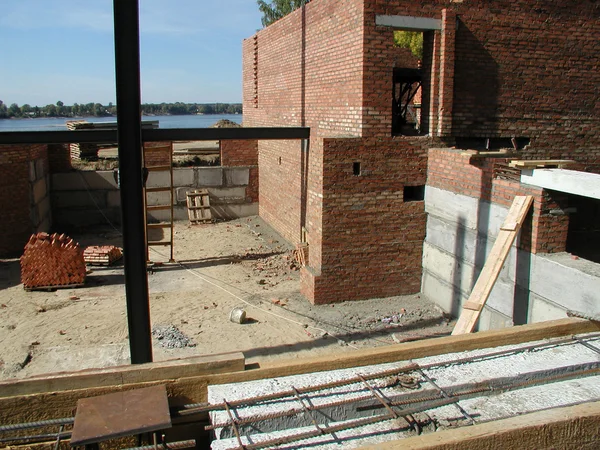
(25, 110)
(3, 110)
(276, 9)
(50, 110)
(413, 40)
(14, 110)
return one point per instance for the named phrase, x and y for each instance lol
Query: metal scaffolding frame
(130, 137)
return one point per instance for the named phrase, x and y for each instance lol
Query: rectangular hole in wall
(356, 168)
(414, 193)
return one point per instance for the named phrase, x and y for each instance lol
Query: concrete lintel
(409, 22)
(562, 180)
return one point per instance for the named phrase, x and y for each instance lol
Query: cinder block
(542, 310)
(113, 199)
(237, 177)
(209, 176)
(234, 211)
(491, 319)
(158, 179)
(78, 199)
(234, 194)
(40, 169)
(77, 181)
(32, 176)
(158, 198)
(39, 191)
(183, 176)
(44, 208)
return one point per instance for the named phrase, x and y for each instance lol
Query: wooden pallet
(491, 270)
(198, 204)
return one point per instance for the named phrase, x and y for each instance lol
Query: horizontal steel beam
(165, 134)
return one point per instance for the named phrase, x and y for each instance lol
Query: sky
(63, 50)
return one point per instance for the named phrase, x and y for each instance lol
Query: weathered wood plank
(491, 270)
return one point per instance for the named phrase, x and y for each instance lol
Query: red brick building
(491, 71)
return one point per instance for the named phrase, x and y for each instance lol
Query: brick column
(446, 80)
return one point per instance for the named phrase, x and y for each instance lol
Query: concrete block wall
(23, 195)
(78, 196)
(466, 205)
(532, 287)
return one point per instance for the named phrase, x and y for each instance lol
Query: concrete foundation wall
(78, 197)
(531, 287)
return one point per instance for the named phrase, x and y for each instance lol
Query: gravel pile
(169, 336)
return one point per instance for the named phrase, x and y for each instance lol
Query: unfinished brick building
(516, 73)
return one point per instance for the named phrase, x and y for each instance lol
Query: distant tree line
(98, 110)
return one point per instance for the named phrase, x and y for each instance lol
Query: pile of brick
(52, 261)
(102, 255)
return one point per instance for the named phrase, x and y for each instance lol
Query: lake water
(55, 123)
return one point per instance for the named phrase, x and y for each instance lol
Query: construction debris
(52, 261)
(169, 336)
(102, 255)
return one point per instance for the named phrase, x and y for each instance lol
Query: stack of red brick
(103, 255)
(52, 261)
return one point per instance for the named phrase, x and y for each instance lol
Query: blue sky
(53, 50)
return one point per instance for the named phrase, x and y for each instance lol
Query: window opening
(406, 101)
(356, 168)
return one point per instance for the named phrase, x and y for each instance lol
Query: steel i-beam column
(127, 68)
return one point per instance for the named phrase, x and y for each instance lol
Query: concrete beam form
(562, 180)
(409, 23)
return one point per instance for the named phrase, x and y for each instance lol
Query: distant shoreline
(111, 116)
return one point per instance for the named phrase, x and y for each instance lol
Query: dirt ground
(221, 266)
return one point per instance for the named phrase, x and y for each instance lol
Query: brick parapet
(239, 153)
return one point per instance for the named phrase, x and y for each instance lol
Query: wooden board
(198, 204)
(572, 427)
(539, 163)
(491, 270)
(124, 375)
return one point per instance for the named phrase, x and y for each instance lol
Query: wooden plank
(473, 306)
(491, 270)
(571, 427)
(159, 225)
(535, 163)
(131, 374)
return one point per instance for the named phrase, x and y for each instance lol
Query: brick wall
(475, 177)
(371, 239)
(158, 153)
(504, 69)
(59, 158)
(19, 169)
(521, 68)
(243, 153)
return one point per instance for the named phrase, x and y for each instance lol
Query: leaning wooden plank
(491, 270)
